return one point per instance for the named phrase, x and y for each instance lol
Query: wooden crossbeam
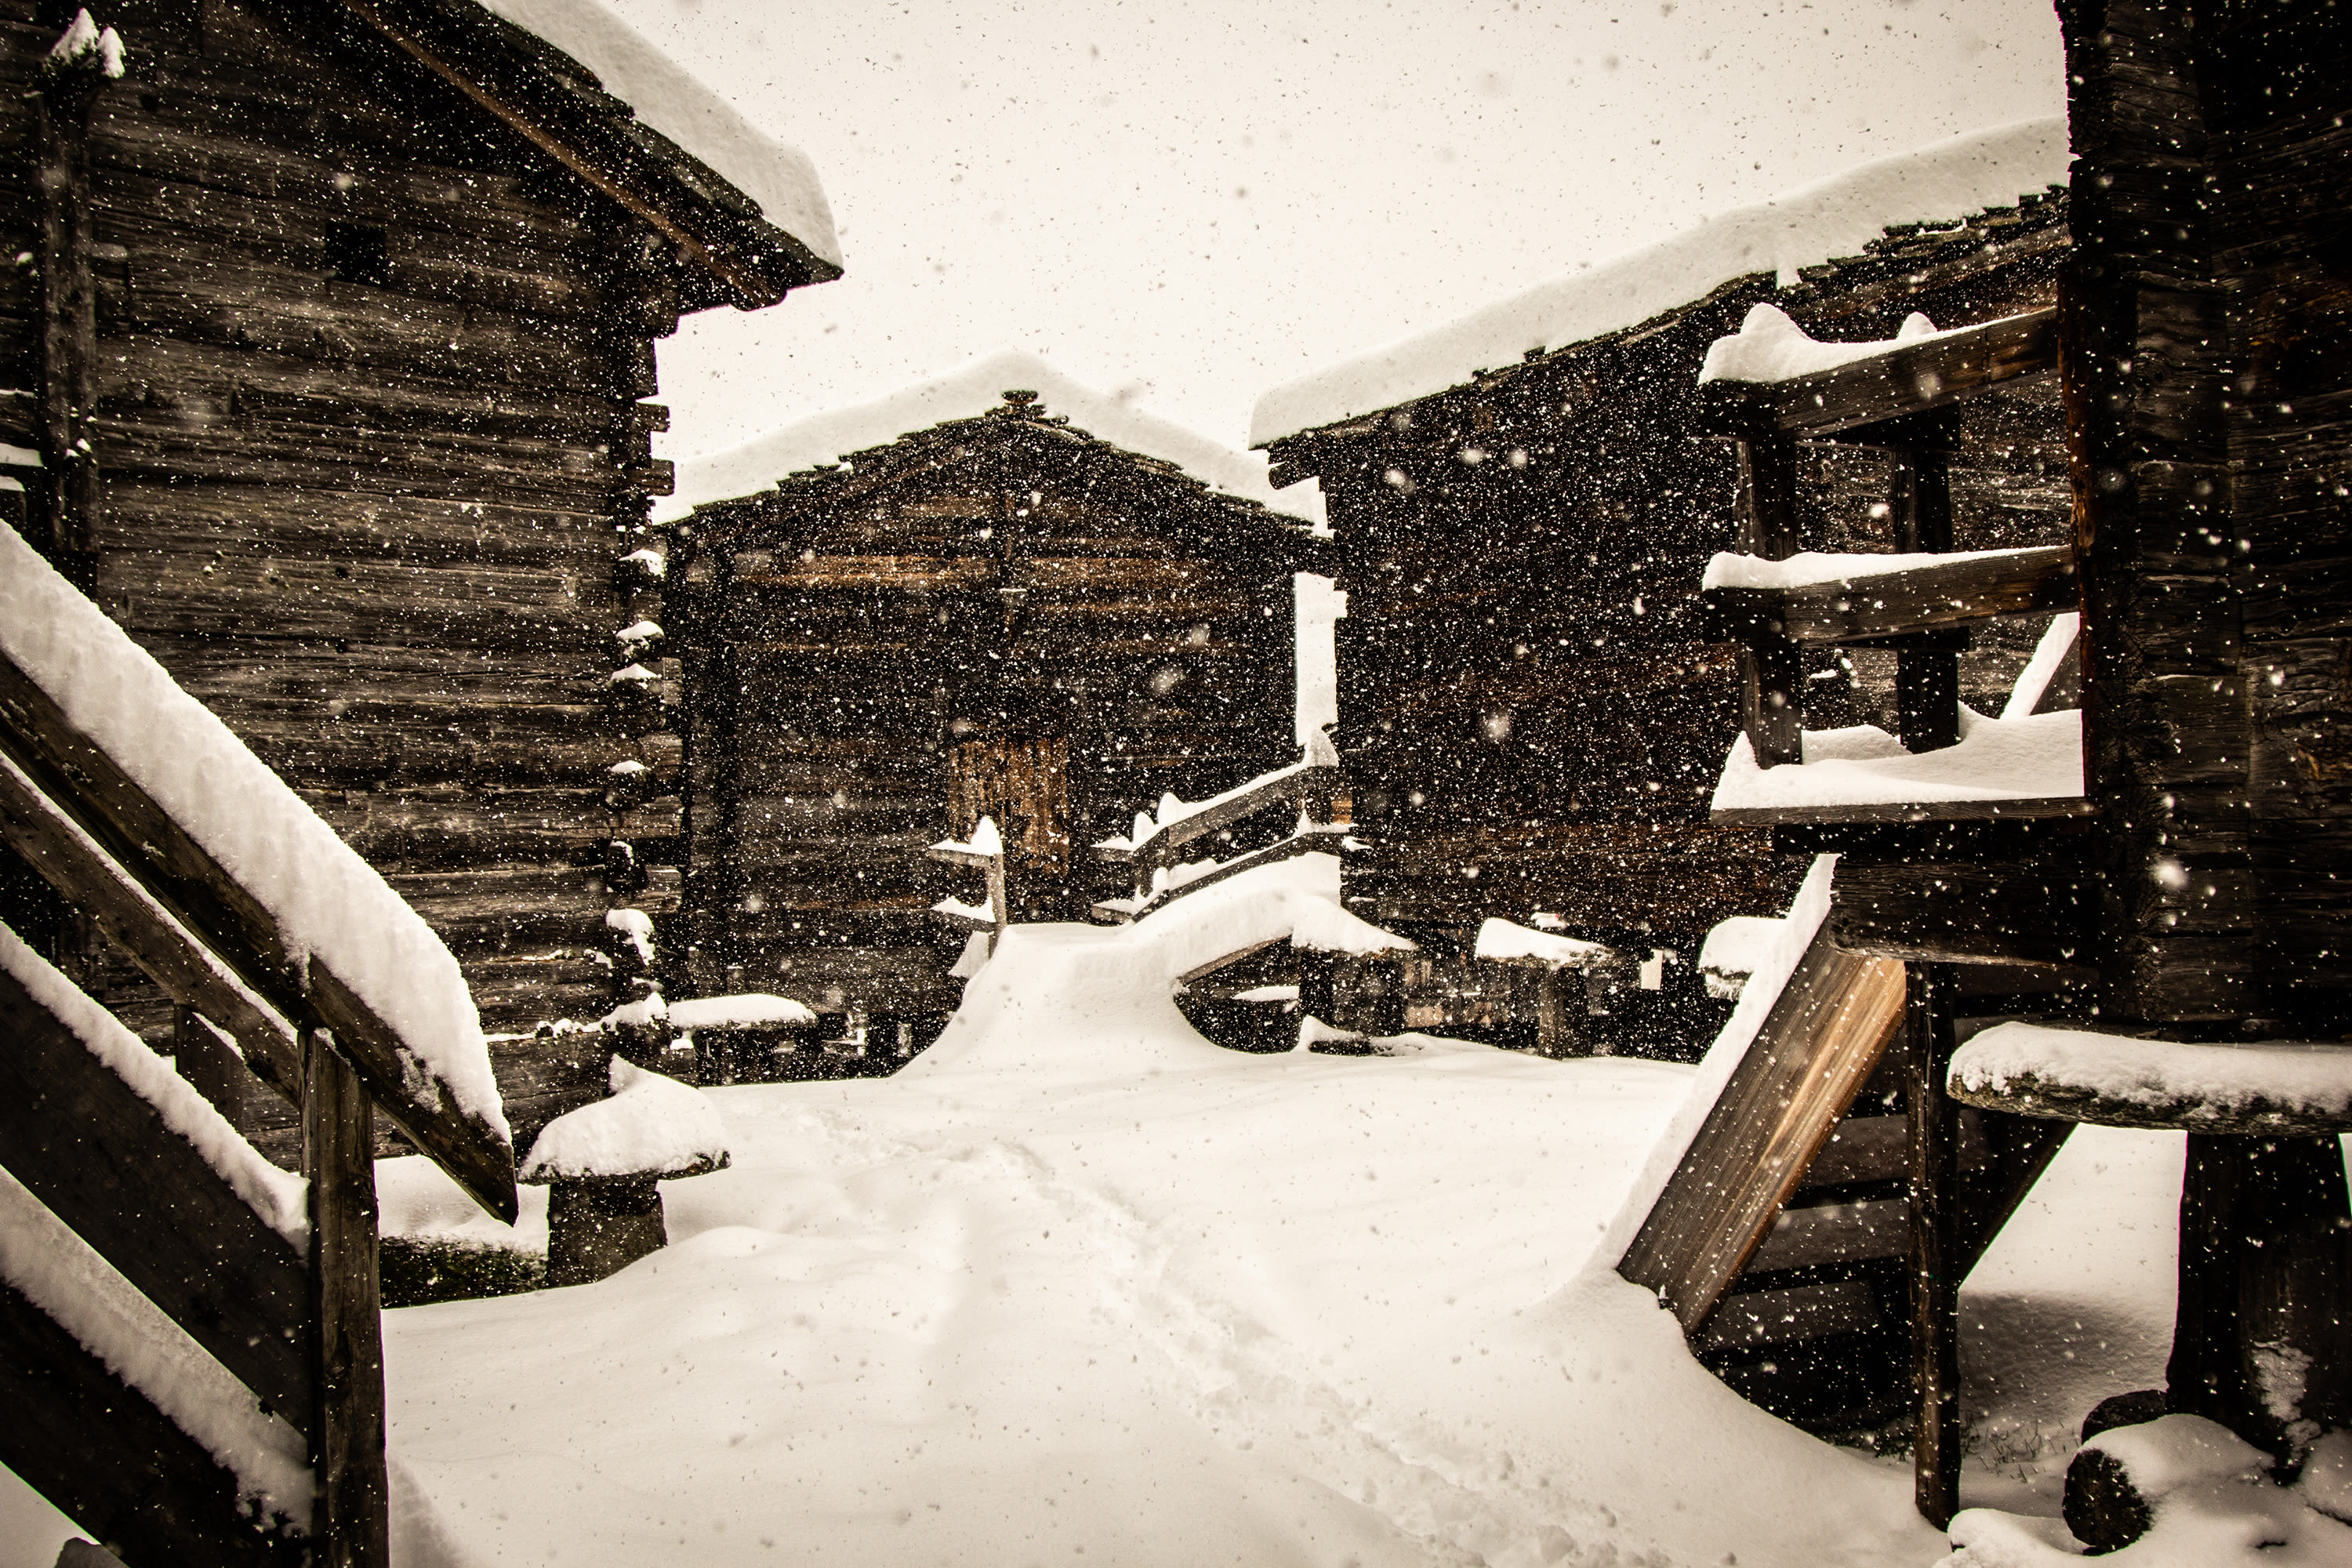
(1824, 1034)
(2031, 912)
(1911, 379)
(104, 1161)
(106, 1458)
(1876, 606)
(182, 878)
(49, 840)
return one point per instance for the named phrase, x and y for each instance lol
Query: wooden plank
(51, 841)
(2034, 913)
(103, 1159)
(1867, 606)
(1755, 1319)
(181, 876)
(101, 1452)
(1771, 683)
(1873, 1148)
(2025, 807)
(352, 1523)
(1903, 380)
(1935, 1266)
(1822, 1039)
(1816, 1236)
(69, 338)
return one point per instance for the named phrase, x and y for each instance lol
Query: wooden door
(1023, 782)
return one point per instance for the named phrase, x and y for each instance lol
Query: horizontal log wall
(367, 511)
(848, 658)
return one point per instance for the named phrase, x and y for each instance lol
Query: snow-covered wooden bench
(226, 1404)
(601, 1164)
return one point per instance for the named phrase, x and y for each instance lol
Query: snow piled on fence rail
(1836, 216)
(43, 1259)
(666, 96)
(966, 392)
(280, 1199)
(2309, 1079)
(328, 903)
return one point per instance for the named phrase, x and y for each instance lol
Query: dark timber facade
(325, 347)
(998, 616)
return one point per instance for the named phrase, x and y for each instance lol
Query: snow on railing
(983, 851)
(1151, 849)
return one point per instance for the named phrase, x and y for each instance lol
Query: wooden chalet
(1534, 701)
(2158, 945)
(324, 357)
(995, 615)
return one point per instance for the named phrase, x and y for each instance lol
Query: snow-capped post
(603, 1161)
(83, 60)
(984, 850)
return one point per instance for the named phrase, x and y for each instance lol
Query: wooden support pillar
(2262, 1337)
(352, 1522)
(1935, 1255)
(1771, 680)
(1928, 675)
(1560, 1027)
(65, 511)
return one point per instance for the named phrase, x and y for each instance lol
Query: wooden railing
(984, 852)
(1152, 850)
(297, 1325)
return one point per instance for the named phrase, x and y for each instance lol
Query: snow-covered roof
(1835, 216)
(326, 902)
(966, 392)
(668, 98)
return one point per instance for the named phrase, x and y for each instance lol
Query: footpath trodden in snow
(1078, 1286)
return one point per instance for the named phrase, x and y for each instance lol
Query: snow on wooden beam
(1847, 599)
(1910, 378)
(2270, 1090)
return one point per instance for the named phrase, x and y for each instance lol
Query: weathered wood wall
(1533, 708)
(1000, 615)
(368, 441)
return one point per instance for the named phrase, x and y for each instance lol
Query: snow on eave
(970, 390)
(1833, 216)
(774, 174)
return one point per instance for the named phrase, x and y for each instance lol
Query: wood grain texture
(1822, 1039)
(346, 1435)
(104, 1161)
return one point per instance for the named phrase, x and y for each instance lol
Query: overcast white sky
(1191, 201)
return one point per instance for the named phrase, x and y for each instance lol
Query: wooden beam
(1771, 680)
(2024, 808)
(353, 1525)
(1292, 784)
(53, 843)
(1228, 960)
(2026, 913)
(104, 1161)
(1935, 1268)
(1867, 607)
(105, 1456)
(1903, 380)
(182, 878)
(1824, 1034)
(69, 328)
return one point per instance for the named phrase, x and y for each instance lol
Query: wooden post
(1927, 676)
(352, 1523)
(1935, 1260)
(998, 902)
(68, 302)
(1560, 1013)
(1771, 700)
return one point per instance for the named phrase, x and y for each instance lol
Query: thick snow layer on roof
(1769, 346)
(1773, 968)
(281, 1200)
(651, 1125)
(970, 390)
(1836, 216)
(1502, 940)
(55, 1269)
(327, 902)
(2313, 1078)
(775, 174)
(2035, 758)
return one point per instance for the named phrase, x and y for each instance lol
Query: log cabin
(1011, 598)
(1534, 702)
(324, 354)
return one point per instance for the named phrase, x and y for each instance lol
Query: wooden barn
(1534, 701)
(1013, 598)
(326, 348)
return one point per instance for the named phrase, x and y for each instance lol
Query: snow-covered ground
(1079, 1286)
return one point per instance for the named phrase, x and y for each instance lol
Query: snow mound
(967, 392)
(417, 1200)
(2035, 758)
(652, 1126)
(775, 174)
(747, 1011)
(1769, 346)
(1735, 949)
(1500, 939)
(1836, 216)
(326, 902)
